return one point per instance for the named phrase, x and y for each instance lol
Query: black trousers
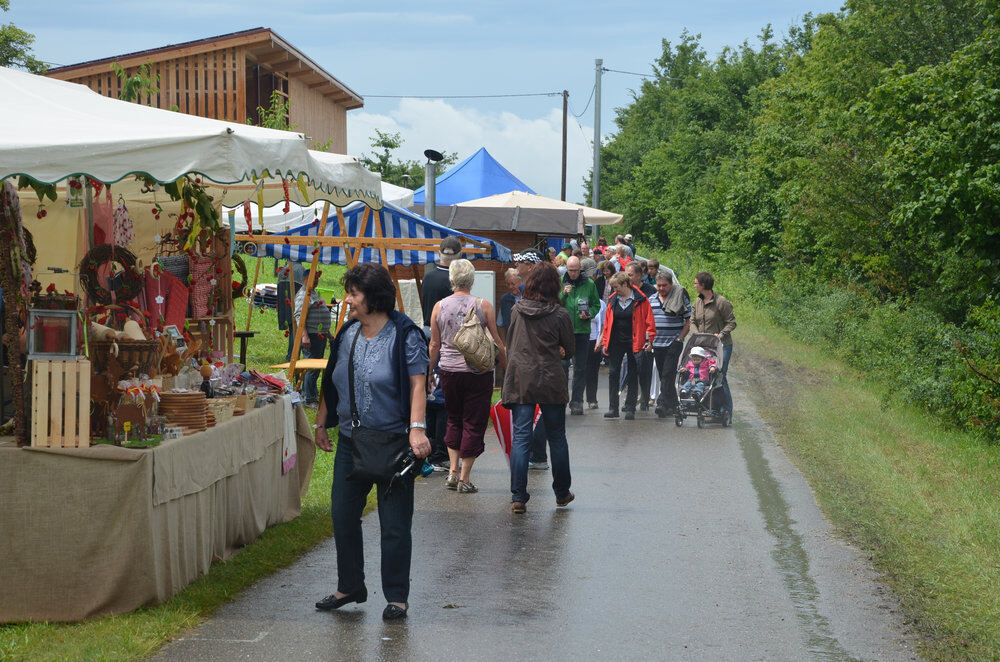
(593, 370)
(645, 362)
(666, 363)
(579, 361)
(437, 423)
(395, 517)
(616, 352)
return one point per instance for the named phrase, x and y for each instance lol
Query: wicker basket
(140, 353)
(222, 408)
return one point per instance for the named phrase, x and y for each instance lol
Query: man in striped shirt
(672, 316)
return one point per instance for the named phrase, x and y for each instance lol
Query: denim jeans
(555, 426)
(616, 353)
(727, 354)
(579, 361)
(395, 518)
(315, 350)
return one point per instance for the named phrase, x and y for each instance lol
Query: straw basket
(222, 408)
(140, 353)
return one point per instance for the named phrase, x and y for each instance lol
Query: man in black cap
(437, 284)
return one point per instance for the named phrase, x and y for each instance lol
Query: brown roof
(259, 42)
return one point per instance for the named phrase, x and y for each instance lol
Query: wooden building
(229, 77)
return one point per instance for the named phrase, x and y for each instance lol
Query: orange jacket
(643, 326)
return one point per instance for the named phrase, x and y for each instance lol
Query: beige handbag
(474, 342)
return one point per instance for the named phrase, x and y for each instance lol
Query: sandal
(468, 488)
(451, 482)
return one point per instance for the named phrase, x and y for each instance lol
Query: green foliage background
(853, 165)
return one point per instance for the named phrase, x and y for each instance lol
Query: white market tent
(52, 129)
(524, 200)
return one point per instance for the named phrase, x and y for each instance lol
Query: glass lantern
(52, 335)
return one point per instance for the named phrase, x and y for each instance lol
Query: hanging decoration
(124, 284)
(124, 229)
(239, 286)
(16, 280)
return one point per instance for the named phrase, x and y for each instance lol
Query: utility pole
(565, 96)
(595, 180)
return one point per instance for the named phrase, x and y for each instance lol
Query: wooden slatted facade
(229, 77)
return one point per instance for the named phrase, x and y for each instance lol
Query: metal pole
(595, 179)
(565, 96)
(429, 191)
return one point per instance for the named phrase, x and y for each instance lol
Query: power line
(591, 98)
(460, 96)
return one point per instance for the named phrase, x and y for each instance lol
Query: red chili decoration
(247, 215)
(51, 288)
(287, 240)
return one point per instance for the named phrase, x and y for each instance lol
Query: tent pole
(307, 296)
(256, 271)
(379, 219)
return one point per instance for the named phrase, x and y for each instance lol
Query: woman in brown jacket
(540, 335)
(712, 313)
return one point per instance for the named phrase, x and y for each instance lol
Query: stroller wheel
(679, 421)
(701, 420)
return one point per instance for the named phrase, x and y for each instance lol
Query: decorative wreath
(239, 286)
(98, 256)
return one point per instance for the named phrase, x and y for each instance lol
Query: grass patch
(135, 635)
(921, 497)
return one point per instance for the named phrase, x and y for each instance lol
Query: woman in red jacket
(628, 329)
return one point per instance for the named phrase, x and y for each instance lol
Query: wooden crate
(60, 404)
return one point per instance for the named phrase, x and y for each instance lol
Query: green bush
(952, 371)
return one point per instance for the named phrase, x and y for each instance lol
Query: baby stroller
(706, 406)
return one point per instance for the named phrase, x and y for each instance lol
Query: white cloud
(529, 147)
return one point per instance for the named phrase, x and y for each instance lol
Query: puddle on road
(788, 553)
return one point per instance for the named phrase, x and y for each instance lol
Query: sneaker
(451, 482)
(593, 405)
(441, 466)
(538, 466)
(575, 409)
(611, 414)
(311, 404)
(565, 500)
(630, 416)
(467, 488)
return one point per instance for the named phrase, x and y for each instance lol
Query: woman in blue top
(390, 371)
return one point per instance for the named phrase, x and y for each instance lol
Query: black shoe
(661, 412)
(393, 613)
(333, 602)
(630, 416)
(576, 409)
(611, 414)
(644, 407)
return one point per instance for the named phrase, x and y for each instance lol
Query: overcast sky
(438, 47)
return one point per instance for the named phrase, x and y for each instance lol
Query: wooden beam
(103, 66)
(385, 259)
(390, 243)
(279, 66)
(307, 297)
(302, 73)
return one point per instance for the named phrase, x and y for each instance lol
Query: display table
(105, 530)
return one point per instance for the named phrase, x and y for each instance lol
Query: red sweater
(643, 326)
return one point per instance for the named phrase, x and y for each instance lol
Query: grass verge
(135, 635)
(919, 497)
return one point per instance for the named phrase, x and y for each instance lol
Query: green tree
(15, 46)
(407, 173)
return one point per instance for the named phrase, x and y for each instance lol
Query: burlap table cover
(106, 530)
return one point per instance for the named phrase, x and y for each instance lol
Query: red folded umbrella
(500, 416)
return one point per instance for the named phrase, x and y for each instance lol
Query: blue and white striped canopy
(394, 223)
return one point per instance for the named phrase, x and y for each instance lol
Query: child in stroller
(699, 370)
(698, 380)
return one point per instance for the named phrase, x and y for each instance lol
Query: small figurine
(206, 385)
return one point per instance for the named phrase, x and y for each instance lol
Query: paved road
(682, 544)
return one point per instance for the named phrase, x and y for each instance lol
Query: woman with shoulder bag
(374, 389)
(468, 389)
(541, 334)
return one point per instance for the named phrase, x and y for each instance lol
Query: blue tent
(476, 177)
(394, 223)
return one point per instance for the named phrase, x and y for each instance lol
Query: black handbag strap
(355, 418)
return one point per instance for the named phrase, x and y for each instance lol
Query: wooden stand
(60, 404)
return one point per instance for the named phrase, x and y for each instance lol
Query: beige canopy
(524, 200)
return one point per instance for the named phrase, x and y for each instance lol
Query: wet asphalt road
(682, 544)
